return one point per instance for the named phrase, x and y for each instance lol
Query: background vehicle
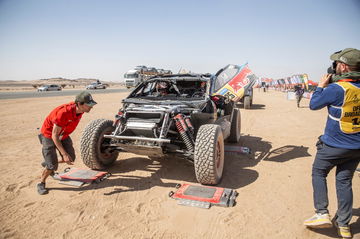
(185, 115)
(152, 71)
(163, 72)
(140, 74)
(134, 77)
(96, 85)
(49, 88)
(141, 69)
(167, 72)
(240, 87)
(160, 71)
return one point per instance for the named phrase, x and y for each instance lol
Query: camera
(332, 70)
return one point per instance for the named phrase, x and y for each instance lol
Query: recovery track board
(78, 177)
(204, 196)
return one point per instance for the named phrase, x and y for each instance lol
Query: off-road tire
(93, 153)
(235, 129)
(209, 154)
(247, 102)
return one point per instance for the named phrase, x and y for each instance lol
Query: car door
(233, 81)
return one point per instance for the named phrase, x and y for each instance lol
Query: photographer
(340, 145)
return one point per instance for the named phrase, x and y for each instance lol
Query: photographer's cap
(349, 56)
(86, 98)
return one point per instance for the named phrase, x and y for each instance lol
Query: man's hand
(67, 159)
(324, 81)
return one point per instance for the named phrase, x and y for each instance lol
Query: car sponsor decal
(235, 88)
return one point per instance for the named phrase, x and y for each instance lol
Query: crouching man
(55, 131)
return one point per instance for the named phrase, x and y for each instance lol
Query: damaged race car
(184, 115)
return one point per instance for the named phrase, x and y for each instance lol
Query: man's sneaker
(343, 231)
(319, 221)
(41, 189)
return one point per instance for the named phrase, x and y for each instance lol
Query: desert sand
(274, 182)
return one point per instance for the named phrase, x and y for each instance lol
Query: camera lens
(330, 70)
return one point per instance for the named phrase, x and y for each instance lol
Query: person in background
(339, 147)
(263, 86)
(162, 88)
(55, 131)
(299, 91)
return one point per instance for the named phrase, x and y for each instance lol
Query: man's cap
(86, 98)
(349, 56)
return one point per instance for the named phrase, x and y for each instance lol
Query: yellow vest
(350, 110)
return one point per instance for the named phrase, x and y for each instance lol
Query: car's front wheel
(94, 148)
(209, 154)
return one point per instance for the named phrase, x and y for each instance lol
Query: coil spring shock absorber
(184, 131)
(189, 125)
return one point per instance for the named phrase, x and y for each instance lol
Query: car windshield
(171, 89)
(131, 76)
(225, 76)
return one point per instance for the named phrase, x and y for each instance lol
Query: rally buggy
(187, 115)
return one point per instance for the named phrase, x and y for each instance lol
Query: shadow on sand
(332, 232)
(286, 153)
(304, 106)
(253, 106)
(236, 170)
(329, 232)
(355, 227)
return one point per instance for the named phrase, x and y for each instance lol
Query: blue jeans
(345, 161)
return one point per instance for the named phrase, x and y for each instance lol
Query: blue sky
(103, 39)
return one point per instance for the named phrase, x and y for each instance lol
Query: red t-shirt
(63, 116)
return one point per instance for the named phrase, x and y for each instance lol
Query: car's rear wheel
(235, 129)
(247, 102)
(94, 148)
(209, 154)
